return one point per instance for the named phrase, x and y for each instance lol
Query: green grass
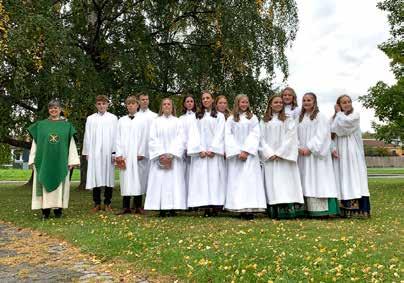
(24, 175)
(225, 248)
(385, 170)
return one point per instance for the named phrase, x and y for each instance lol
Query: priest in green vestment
(53, 154)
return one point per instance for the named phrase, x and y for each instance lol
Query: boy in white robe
(147, 118)
(129, 151)
(99, 149)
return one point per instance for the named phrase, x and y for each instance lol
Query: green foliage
(5, 154)
(388, 101)
(376, 151)
(75, 50)
(194, 248)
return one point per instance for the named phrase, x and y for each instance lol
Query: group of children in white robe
(294, 162)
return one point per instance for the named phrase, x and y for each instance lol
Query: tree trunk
(83, 172)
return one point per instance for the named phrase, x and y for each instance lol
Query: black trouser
(57, 211)
(137, 202)
(97, 195)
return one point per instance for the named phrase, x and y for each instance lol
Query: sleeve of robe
(193, 143)
(73, 158)
(86, 141)
(217, 145)
(252, 141)
(265, 150)
(32, 153)
(231, 146)
(156, 148)
(289, 146)
(176, 147)
(320, 143)
(141, 144)
(344, 125)
(113, 132)
(118, 140)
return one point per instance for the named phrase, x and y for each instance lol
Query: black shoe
(207, 213)
(45, 217)
(58, 212)
(173, 213)
(162, 213)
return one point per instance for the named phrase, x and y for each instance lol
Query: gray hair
(54, 103)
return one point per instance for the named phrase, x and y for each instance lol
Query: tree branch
(10, 100)
(16, 143)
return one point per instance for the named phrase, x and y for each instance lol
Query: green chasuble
(52, 140)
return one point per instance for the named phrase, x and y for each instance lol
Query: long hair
(227, 111)
(339, 103)
(294, 101)
(201, 112)
(184, 109)
(269, 113)
(313, 114)
(236, 108)
(172, 104)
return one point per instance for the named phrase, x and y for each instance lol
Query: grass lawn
(385, 170)
(24, 175)
(192, 248)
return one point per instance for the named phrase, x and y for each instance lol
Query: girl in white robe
(207, 170)
(166, 184)
(99, 147)
(349, 162)
(315, 164)
(245, 188)
(279, 151)
(129, 151)
(187, 118)
(289, 99)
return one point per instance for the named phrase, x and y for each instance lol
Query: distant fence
(385, 161)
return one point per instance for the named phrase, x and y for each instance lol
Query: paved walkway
(29, 256)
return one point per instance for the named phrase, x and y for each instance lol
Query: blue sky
(336, 52)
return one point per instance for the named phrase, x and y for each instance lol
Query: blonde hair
(269, 114)
(313, 114)
(236, 108)
(227, 111)
(294, 101)
(131, 99)
(172, 105)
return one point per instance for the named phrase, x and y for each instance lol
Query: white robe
(187, 119)
(281, 177)
(166, 187)
(207, 181)
(316, 170)
(98, 145)
(129, 146)
(147, 117)
(350, 168)
(58, 198)
(292, 113)
(245, 188)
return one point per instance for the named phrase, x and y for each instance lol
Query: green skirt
(317, 207)
(286, 210)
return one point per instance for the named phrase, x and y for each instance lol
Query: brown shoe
(139, 210)
(108, 208)
(96, 208)
(124, 211)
